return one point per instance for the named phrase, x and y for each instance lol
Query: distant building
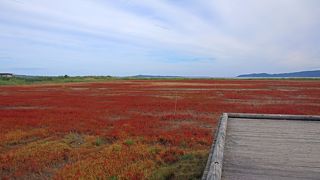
(6, 75)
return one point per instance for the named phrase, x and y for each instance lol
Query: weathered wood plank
(214, 165)
(274, 116)
(271, 149)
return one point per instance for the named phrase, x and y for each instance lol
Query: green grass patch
(25, 80)
(129, 142)
(99, 141)
(190, 166)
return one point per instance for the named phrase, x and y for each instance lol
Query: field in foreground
(137, 129)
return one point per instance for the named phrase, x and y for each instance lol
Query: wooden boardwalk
(254, 147)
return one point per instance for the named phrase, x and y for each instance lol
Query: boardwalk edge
(213, 170)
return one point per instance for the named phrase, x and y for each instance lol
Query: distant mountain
(284, 75)
(153, 76)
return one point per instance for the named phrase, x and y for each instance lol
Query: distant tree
(65, 76)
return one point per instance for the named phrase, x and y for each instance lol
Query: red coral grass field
(130, 129)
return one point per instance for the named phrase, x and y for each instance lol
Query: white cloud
(234, 32)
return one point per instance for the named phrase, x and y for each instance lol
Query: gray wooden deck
(262, 148)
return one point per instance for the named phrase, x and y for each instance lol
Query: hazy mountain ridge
(154, 76)
(315, 73)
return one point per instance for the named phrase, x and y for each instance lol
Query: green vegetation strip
(27, 80)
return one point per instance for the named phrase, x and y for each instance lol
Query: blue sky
(221, 38)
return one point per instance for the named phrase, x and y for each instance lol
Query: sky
(218, 38)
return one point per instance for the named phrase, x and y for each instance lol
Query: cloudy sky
(221, 38)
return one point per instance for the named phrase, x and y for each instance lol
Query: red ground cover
(137, 129)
